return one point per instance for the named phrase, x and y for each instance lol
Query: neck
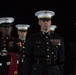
(45, 31)
(6, 35)
(22, 38)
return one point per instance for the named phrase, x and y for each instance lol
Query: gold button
(52, 52)
(46, 36)
(4, 44)
(23, 55)
(59, 44)
(4, 41)
(38, 46)
(47, 49)
(23, 43)
(11, 45)
(6, 37)
(34, 68)
(23, 46)
(54, 55)
(48, 56)
(47, 43)
(56, 46)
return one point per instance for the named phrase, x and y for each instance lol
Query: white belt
(8, 63)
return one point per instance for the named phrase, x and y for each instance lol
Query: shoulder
(33, 36)
(17, 40)
(14, 39)
(57, 35)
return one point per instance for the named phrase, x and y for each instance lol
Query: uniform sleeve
(13, 47)
(28, 57)
(72, 57)
(61, 57)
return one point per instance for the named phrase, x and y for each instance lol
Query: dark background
(23, 11)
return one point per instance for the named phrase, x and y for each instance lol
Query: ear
(0, 29)
(39, 22)
(11, 28)
(50, 22)
(18, 32)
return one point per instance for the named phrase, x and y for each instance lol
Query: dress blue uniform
(19, 44)
(44, 54)
(44, 51)
(5, 22)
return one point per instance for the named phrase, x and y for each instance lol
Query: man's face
(6, 30)
(44, 24)
(22, 34)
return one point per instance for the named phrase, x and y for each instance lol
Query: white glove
(3, 52)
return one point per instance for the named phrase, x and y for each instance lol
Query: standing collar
(48, 33)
